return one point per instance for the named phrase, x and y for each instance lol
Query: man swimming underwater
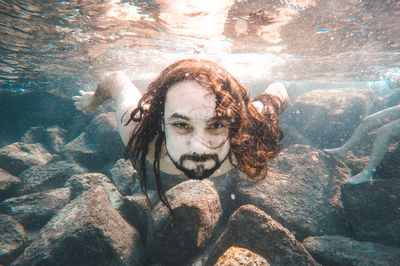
(194, 119)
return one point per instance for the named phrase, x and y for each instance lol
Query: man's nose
(199, 144)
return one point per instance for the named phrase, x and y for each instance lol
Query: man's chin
(199, 173)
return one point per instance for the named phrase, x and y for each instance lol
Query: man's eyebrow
(179, 116)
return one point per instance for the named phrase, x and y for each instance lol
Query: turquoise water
(63, 45)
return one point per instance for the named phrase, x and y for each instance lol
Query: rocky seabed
(70, 199)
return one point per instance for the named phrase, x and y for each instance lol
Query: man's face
(196, 140)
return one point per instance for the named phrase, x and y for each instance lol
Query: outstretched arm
(274, 99)
(118, 87)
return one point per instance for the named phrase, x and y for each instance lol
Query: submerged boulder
(12, 239)
(98, 145)
(372, 210)
(79, 183)
(53, 138)
(328, 117)
(197, 210)
(253, 229)
(8, 184)
(86, 153)
(87, 231)
(53, 175)
(121, 174)
(103, 132)
(301, 191)
(34, 210)
(240, 256)
(18, 156)
(339, 250)
(136, 210)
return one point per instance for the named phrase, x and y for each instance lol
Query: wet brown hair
(254, 137)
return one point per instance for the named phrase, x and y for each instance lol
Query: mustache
(198, 157)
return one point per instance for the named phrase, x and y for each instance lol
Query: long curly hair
(254, 137)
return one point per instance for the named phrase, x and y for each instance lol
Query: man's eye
(216, 127)
(182, 127)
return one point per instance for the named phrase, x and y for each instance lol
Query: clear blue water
(63, 45)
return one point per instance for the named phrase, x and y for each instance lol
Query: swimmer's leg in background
(368, 124)
(381, 144)
(118, 87)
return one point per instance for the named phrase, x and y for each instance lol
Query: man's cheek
(176, 144)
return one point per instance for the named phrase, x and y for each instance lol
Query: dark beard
(199, 172)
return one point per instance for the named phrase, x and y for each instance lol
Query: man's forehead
(190, 99)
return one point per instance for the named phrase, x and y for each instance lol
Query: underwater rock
(292, 135)
(12, 239)
(52, 138)
(372, 209)
(136, 209)
(85, 152)
(339, 250)
(328, 117)
(81, 182)
(121, 175)
(253, 229)
(240, 256)
(53, 175)
(35, 135)
(103, 132)
(196, 209)
(87, 231)
(18, 156)
(390, 165)
(8, 184)
(56, 138)
(301, 191)
(34, 210)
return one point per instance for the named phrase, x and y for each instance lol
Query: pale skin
(387, 125)
(190, 124)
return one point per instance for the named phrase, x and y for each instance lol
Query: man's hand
(85, 102)
(279, 90)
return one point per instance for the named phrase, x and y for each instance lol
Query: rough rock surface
(102, 131)
(18, 156)
(44, 177)
(85, 152)
(328, 117)
(372, 209)
(12, 239)
(339, 250)
(8, 184)
(34, 210)
(81, 182)
(240, 256)
(87, 231)
(253, 229)
(390, 165)
(301, 191)
(52, 138)
(121, 175)
(136, 209)
(197, 210)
